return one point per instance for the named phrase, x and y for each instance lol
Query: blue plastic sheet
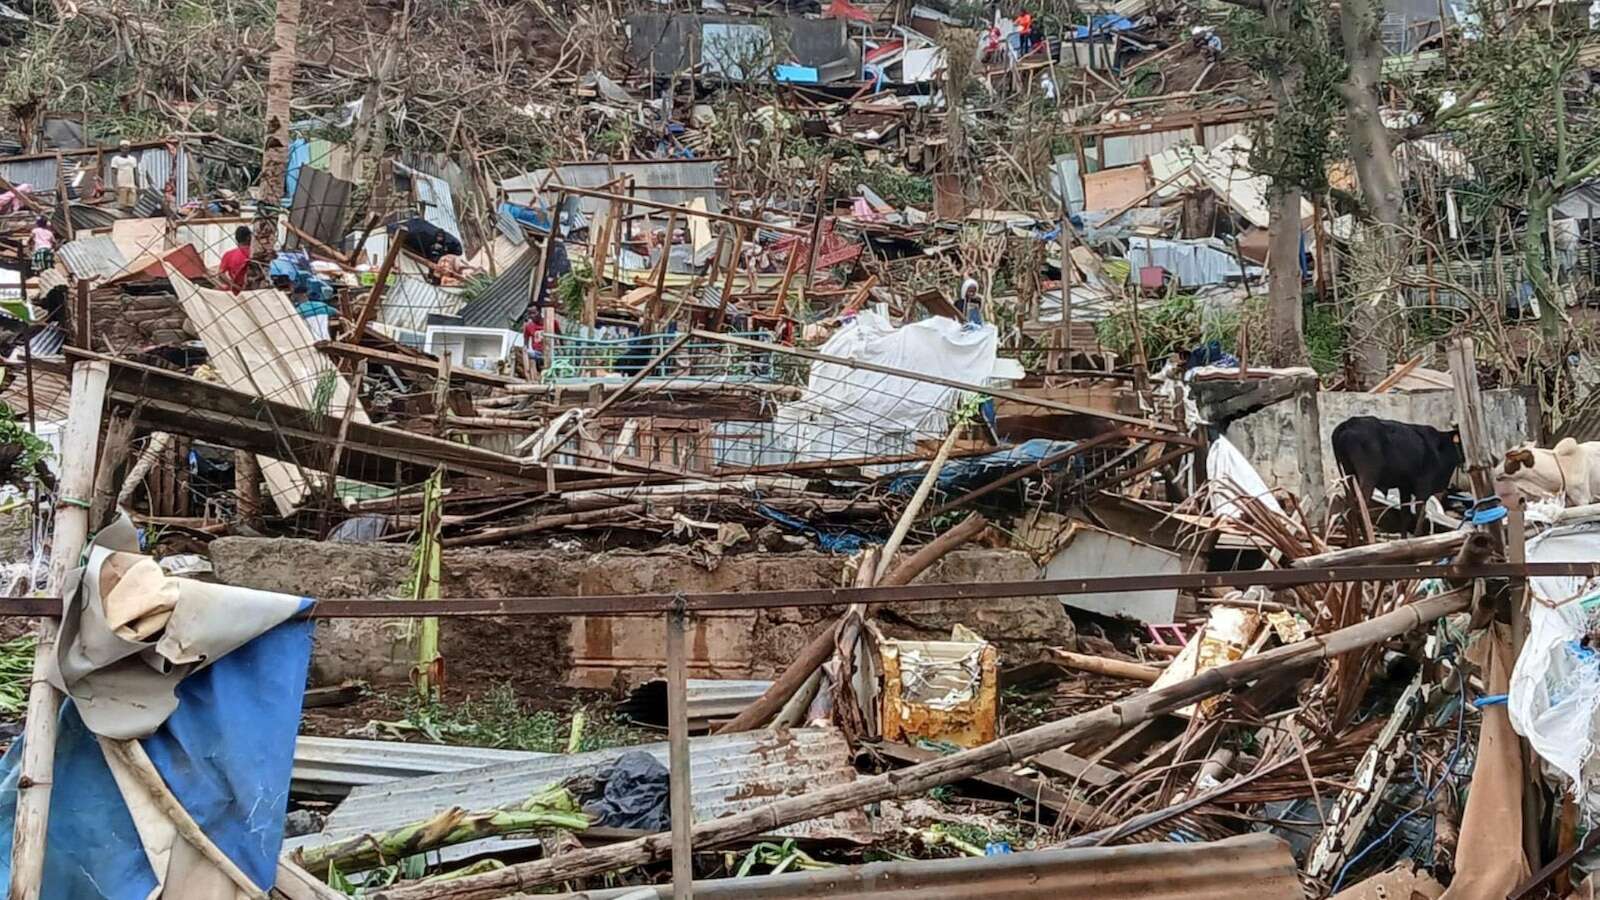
(842, 541)
(299, 155)
(226, 753)
(1102, 25)
(973, 471)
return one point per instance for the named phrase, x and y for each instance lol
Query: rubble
(928, 407)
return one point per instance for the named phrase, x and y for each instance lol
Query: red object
(1151, 277)
(533, 333)
(842, 9)
(1025, 22)
(234, 264)
(185, 261)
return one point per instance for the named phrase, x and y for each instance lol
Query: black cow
(1381, 454)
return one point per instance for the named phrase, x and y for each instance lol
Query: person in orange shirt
(1025, 31)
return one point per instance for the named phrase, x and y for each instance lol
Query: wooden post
(62, 201)
(816, 228)
(375, 297)
(80, 317)
(653, 309)
(81, 444)
(682, 798)
(1476, 453)
(441, 394)
(727, 281)
(543, 269)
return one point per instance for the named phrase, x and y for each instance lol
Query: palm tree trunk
(275, 146)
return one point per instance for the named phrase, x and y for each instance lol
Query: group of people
(1029, 38)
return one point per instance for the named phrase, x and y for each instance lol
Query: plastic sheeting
(847, 412)
(1193, 263)
(226, 753)
(974, 471)
(1555, 687)
(1224, 462)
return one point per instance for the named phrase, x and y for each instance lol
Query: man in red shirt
(236, 262)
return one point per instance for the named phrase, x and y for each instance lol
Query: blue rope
(1427, 800)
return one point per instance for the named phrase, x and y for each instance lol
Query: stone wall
(595, 651)
(124, 321)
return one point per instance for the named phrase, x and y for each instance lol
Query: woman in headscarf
(968, 302)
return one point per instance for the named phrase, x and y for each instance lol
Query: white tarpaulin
(847, 412)
(259, 345)
(1225, 465)
(1555, 687)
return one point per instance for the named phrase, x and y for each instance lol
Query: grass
(498, 719)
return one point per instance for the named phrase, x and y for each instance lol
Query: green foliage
(1324, 336)
(571, 288)
(1294, 146)
(16, 673)
(498, 719)
(34, 449)
(1144, 81)
(1167, 325)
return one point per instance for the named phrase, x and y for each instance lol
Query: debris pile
(921, 417)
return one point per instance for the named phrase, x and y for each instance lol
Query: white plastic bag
(1554, 699)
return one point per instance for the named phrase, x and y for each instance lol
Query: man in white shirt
(125, 175)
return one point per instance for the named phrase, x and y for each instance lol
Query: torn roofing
(506, 298)
(663, 181)
(730, 773)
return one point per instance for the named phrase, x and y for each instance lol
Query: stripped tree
(275, 145)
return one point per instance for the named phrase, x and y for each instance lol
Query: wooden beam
(420, 363)
(681, 210)
(375, 296)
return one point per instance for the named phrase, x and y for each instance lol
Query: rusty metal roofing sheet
(730, 773)
(1257, 866)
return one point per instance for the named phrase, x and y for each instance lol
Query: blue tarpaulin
(975, 471)
(840, 541)
(299, 155)
(226, 753)
(1102, 25)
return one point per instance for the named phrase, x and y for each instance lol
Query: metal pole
(678, 752)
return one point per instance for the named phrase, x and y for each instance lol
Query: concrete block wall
(594, 651)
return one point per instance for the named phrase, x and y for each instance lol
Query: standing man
(236, 262)
(125, 175)
(1025, 32)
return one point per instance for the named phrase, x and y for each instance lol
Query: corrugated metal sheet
(41, 173)
(332, 766)
(1257, 866)
(320, 204)
(506, 298)
(730, 773)
(437, 201)
(664, 181)
(710, 699)
(95, 256)
(409, 301)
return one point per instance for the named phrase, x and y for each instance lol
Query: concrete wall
(599, 651)
(1271, 440)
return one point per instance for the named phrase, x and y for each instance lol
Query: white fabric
(123, 684)
(847, 412)
(1225, 464)
(1555, 686)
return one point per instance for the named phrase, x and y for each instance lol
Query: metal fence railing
(574, 358)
